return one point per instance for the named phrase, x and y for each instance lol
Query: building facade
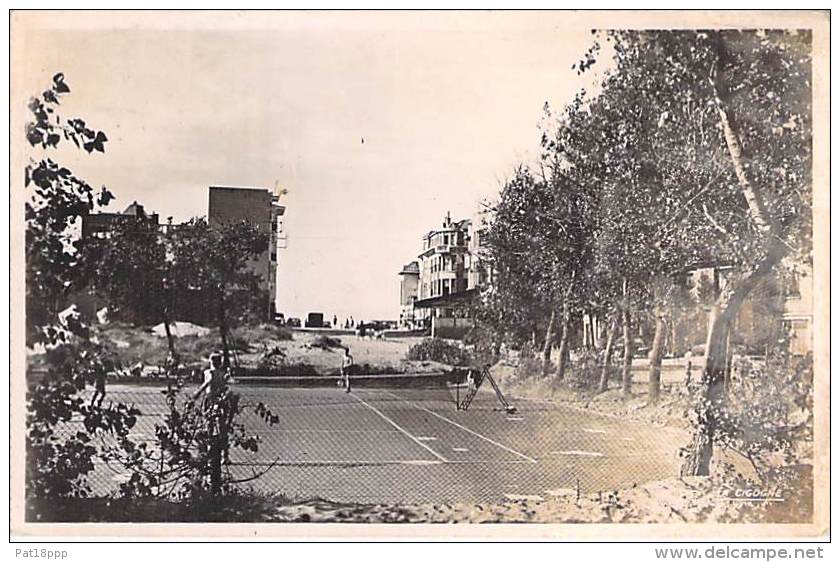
(259, 207)
(779, 307)
(449, 273)
(443, 260)
(409, 282)
(798, 309)
(98, 224)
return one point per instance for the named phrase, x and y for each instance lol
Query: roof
(452, 300)
(240, 187)
(411, 268)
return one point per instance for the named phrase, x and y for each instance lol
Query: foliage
(279, 333)
(65, 433)
(57, 464)
(132, 266)
(211, 266)
(327, 343)
(585, 373)
(528, 364)
(58, 201)
(442, 351)
(189, 458)
(773, 412)
(59, 454)
(271, 359)
(692, 151)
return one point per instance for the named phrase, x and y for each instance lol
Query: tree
(741, 101)
(213, 264)
(58, 201)
(514, 305)
(572, 217)
(133, 269)
(56, 464)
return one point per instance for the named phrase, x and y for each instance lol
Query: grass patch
(327, 343)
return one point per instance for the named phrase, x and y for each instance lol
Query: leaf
(58, 84)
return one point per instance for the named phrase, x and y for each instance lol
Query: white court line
(468, 430)
(350, 463)
(577, 453)
(393, 423)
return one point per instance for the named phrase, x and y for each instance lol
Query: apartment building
(258, 206)
(448, 275)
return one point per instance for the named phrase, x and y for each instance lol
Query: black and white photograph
(561, 272)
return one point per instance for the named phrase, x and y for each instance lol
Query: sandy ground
(690, 500)
(138, 346)
(387, 354)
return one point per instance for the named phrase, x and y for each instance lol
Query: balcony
(443, 249)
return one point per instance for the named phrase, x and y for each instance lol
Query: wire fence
(403, 440)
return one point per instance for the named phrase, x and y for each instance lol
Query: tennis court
(407, 443)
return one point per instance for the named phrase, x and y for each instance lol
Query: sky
(448, 104)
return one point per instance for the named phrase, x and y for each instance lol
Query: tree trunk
(627, 363)
(727, 374)
(608, 352)
(755, 202)
(758, 212)
(655, 367)
(547, 344)
(588, 332)
(564, 347)
(170, 339)
(700, 450)
(673, 331)
(699, 453)
(216, 465)
(597, 332)
(223, 331)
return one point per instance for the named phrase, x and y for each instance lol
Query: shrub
(768, 413)
(529, 365)
(263, 332)
(327, 343)
(442, 351)
(271, 358)
(280, 333)
(585, 372)
(60, 454)
(188, 458)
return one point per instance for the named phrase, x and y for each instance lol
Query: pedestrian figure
(98, 388)
(219, 418)
(335, 321)
(352, 322)
(216, 379)
(470, 381)
(362, 330)
(346, 366)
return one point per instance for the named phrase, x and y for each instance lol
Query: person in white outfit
(346, 365)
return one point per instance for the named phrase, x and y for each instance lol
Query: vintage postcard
(545, 274)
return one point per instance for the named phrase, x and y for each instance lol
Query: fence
(406, 443)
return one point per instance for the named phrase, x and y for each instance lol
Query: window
(790, 282)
